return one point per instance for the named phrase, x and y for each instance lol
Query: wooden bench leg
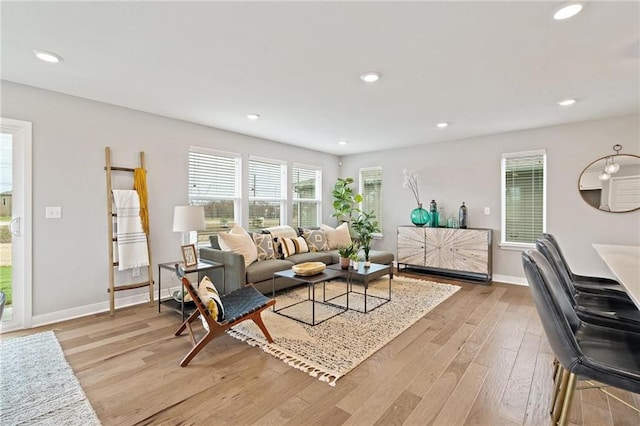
(198, 347)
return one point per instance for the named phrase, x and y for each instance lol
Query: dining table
(624, 263)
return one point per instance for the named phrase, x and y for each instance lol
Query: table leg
(313, 305)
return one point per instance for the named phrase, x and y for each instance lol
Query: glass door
(15, 223)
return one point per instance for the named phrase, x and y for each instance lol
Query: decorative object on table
(38, 384)
(187, 219)
(189, 256)
(442, 218)
(309, 268)
(610, 183)
(419, 216)
(178, 295)
(433, 212)
(323, 352)
(346, 253)
(452, 222)
(365, 226)
(462, 216)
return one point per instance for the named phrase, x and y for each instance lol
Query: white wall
(70, 265)
(469, 170)
(70, 270)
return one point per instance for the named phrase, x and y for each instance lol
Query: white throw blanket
(132, 241)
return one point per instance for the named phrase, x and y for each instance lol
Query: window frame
(318, 192)
(283, 189)
(361, 189)
(504, 242)
(237, 196)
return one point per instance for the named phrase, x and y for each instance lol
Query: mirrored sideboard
(463, 253)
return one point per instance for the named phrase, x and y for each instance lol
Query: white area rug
(37, 385)
(333, 348)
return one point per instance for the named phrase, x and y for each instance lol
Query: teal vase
(419, 216)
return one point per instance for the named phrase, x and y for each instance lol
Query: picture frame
(189, 256)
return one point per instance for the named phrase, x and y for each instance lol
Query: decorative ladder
(112, 239)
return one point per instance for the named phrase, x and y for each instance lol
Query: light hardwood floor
(478, 358)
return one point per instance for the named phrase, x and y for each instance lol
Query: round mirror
(612, 183)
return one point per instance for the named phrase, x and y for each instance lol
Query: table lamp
(187, 219)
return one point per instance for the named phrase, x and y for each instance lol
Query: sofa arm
(235, 275)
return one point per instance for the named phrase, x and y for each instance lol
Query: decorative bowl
(309, 268)
(177, 296)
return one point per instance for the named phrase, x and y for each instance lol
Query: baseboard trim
(83, 311)
(509, 279)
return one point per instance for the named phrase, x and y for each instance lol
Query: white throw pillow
(237, 229)
(338, 237)
(241, 244)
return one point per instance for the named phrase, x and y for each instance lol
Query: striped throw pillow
(291, 246)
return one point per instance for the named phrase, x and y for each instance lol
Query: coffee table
(365, 274)
(311, 281)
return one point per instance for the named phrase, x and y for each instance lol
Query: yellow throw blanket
(140, 185)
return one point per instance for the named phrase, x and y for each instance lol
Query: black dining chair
(616, 312)
(584, 283)
(590, 351)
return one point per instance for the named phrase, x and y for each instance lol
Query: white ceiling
(485, 67)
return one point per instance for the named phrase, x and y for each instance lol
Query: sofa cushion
(264, 246)
(240, 243)
(319, 256)
(316, 239)
(338, 237)
(264, 270)
(291, 246)
(280, 231)
(236, 229)
(378, 256)
(211, 300)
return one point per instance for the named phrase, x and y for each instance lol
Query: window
(523, 197)
(307, 196)
(214, 182)
(371, 190)
(267, 193)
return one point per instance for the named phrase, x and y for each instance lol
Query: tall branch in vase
(411, 181)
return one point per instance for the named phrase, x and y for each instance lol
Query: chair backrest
(548, 250)
(556, 313)
(554, 242)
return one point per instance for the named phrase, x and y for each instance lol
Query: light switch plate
(487, 210)
(53, 212)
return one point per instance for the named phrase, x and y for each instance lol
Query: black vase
(462, 216)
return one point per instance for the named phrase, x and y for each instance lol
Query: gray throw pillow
(316, 240)
(264, 245)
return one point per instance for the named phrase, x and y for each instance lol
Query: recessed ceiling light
(567, 102)
(370, 77)
(253, 116)
(47, 56)
(442, 125)
(342, 142)
(566, 10)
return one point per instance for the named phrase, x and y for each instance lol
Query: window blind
(214, 183)
(371, 191)
(523, 198)
(306, 196)
(266, 180)
(212, 176)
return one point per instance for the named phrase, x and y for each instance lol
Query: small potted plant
(346, 254)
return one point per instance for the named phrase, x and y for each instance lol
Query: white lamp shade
(188, 218)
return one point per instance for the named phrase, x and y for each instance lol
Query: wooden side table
(202, 266)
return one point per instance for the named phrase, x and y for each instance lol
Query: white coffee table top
(624, 262)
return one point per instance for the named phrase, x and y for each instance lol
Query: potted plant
(345, 202)
(346, 254)
(365, 226)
